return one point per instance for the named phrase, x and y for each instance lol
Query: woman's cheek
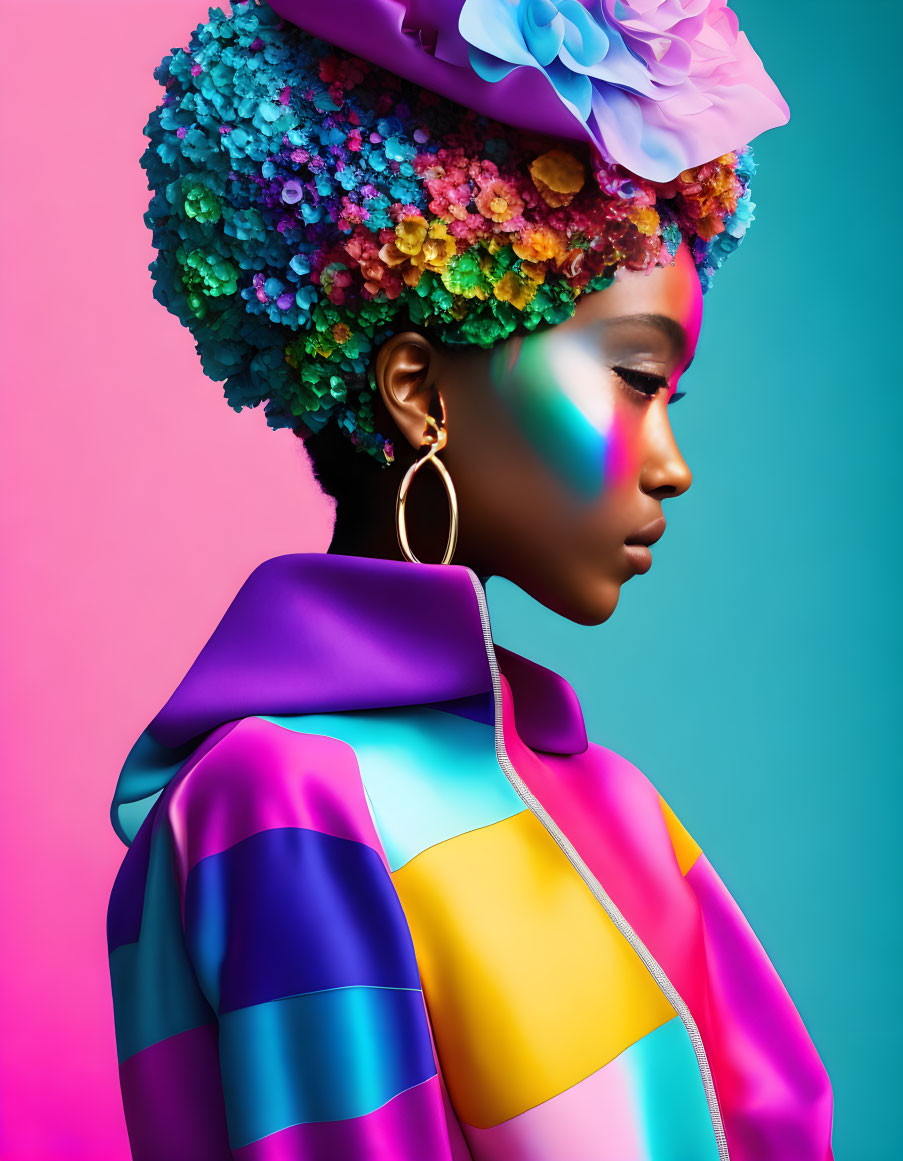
(623, 450)
(561, 401)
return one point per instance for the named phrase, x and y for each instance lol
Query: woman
(383, 898)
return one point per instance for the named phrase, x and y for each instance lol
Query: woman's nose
(665, 471)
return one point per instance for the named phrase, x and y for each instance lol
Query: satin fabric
(339, 932)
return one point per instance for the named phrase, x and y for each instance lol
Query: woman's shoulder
(259, 773)
(621, 790)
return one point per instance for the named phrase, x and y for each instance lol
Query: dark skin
(520, 514)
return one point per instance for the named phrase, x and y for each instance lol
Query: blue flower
(570, 44)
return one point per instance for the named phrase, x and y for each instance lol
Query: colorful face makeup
(577, 393)
(553, 384)
(560, 442)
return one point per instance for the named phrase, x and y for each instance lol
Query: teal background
(755, 673)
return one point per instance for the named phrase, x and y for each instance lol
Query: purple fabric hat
(656, 85)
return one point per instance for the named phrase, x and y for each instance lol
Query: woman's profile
(383, 898)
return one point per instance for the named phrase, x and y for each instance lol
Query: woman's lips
(637, 546)
(649, 533)
(639, 556)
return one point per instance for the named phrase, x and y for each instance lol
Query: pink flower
(498, 200)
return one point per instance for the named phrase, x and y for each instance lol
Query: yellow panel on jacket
(529, 984)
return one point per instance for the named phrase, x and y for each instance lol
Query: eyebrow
(670, 327)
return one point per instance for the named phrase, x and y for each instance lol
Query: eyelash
(635, 379)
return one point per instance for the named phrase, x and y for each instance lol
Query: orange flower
(391, 255)
(341, 333)
(558, 176)
(534, 270)
(646, 220)
(709, 226)
(540, 244)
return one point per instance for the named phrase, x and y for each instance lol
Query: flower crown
(307, 204)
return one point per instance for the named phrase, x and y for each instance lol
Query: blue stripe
(429, 775)
(291, 910)
(671, 1098)
(155, 992)
(325, 1056)
(127, 897)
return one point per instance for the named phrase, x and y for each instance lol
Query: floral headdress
(308, 202)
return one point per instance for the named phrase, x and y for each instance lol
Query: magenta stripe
(410, 1127)
(266, 776)
(775, 1097)
(173, 1099)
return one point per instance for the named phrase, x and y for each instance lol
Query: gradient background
(754, 674)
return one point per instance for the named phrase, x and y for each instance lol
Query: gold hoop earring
(434, 441)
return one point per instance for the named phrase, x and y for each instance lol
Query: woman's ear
(406, 367)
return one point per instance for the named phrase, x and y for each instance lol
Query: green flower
(208, 274)
(464, 276)
(481, 329)
(202, 204)
(553, 303)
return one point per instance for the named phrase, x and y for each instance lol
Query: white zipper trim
(593, 883)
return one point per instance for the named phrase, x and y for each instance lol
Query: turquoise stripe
(147, 769)
(671, 1099)
(428, 775)
(155, 993)
(323, 1056)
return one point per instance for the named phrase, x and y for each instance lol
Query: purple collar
(317, 632)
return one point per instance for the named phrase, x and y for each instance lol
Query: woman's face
(560, 444)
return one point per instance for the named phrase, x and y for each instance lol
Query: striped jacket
(383, 900)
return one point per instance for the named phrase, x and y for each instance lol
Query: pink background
(134, 503)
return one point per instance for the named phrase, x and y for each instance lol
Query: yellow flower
(558, 176)
(645, 219)
(341, 333)
(436, 248)
(409, 235)
(511, 289)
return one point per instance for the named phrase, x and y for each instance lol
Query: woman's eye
(641, 380)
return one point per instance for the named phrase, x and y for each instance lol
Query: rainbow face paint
(553, 384)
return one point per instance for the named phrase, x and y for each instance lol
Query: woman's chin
(587, 600)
